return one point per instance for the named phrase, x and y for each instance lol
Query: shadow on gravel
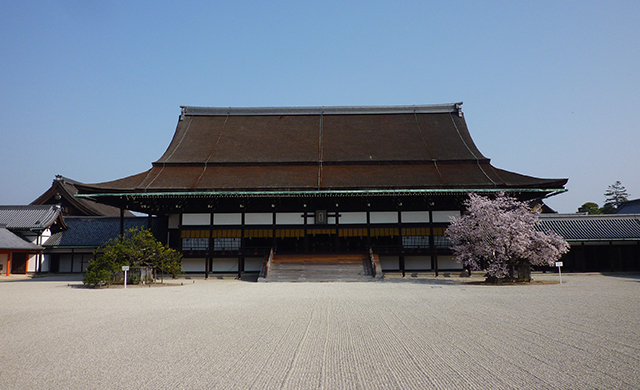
(436, 282)
(634, 276)
(71, 278)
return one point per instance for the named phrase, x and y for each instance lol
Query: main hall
(238, 184)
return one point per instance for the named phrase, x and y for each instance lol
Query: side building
(599, 243)
(23, 231)
(72, 249)
(236, 183)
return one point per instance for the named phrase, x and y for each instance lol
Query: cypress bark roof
(62, 192)
(321, 148)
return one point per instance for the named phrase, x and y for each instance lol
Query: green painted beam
(302, 193)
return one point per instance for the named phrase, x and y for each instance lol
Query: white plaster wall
(443, 216)
(227, 219)
(196, 219)
(253, 264)
(353, 218)
(45, 235)
(33, 263)
(46, 263)
(448, 262)
(193, 265)
(32, 238)
(415, 217)
(389, 263)
(289, 219)
(384, 217)
(417, 263)
(225, 265)
(3, 260)
(258, 219)
(33, 260)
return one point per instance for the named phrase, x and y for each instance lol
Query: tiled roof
(93, 231)
(28, 217)
(629, 207)
(578, 227)
(10, 241)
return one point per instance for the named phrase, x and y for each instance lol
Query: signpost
(559, 264)
(125, 268)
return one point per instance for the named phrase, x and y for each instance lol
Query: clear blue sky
(91, 90)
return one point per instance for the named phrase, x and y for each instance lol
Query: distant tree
(608, 208)
(614, 196)
(138, 248)
(499, 235)
(590, 208)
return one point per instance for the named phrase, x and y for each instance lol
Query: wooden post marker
(125, 268)
(559, 265)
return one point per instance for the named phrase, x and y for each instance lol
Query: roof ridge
(322, 110)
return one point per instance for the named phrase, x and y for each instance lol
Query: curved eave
(604, 240)
(318, 193)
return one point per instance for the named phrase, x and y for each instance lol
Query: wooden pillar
(9, 263)
(369, 242)
(72, 256)
(240, 266)
(399, 241)
(274, 241)
(435, 261)
(432, 244)
(211, 247)
(38, 256)
(241, 254)
(337, 240)
(306, 222)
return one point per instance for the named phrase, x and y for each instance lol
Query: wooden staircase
(319, 268)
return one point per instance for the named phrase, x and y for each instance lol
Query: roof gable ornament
(458, 107)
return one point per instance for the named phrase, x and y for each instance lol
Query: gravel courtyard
(412, 333)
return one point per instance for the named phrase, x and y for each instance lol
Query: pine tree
(138, 248)
(615, 195)
(590, 208)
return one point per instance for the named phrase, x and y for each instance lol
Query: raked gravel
(412, 333)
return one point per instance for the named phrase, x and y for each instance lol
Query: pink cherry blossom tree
(499, 235)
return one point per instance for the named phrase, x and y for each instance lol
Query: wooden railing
(269, 263)
(375, 264)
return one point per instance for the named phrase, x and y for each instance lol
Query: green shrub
(138, 248)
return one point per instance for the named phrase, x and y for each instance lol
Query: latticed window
(415, 242)
(195, 244)
(441, 241)
(226, 244)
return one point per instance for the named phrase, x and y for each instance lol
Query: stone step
(317, 268)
